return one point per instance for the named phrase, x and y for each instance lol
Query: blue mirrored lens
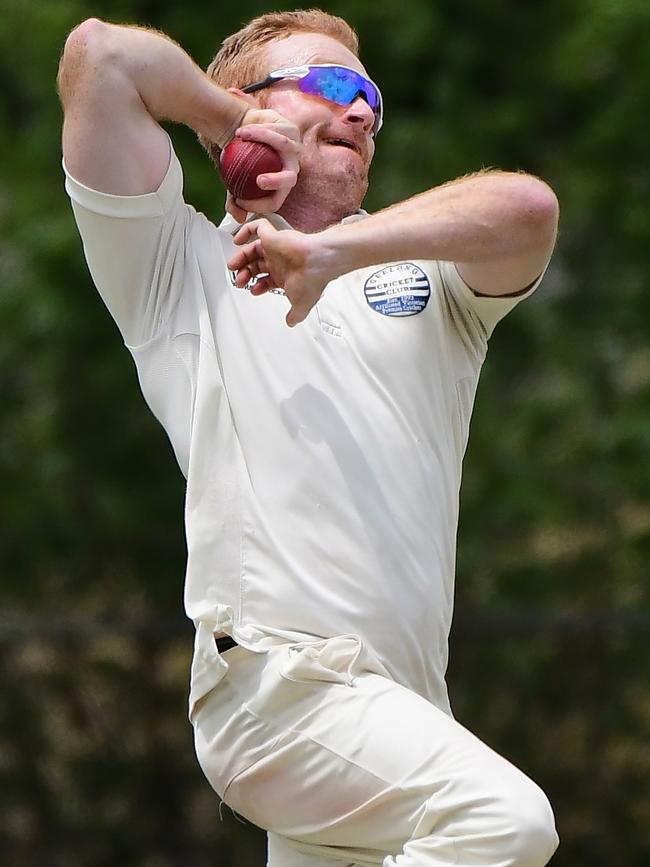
(339, 85)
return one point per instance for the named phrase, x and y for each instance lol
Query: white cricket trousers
(343, 766)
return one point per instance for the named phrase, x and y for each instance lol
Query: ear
(250, 99)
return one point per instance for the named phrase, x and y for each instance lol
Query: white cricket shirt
(323, 462)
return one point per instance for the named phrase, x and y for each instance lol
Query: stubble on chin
(323, 196)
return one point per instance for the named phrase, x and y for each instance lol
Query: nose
(359, 114)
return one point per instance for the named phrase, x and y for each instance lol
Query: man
(323, 461)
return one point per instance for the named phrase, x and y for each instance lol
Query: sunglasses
(339, 84)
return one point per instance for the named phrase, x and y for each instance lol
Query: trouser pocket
(300, 677)
(331, 660)
(267, 701)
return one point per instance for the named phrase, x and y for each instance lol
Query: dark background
(550, 644)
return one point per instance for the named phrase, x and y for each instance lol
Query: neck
(305, 218)
(317, 202)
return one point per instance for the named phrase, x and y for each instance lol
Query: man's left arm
(498, 227)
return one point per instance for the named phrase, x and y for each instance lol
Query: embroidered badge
(401, 289)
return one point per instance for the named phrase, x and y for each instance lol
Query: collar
(230, 224)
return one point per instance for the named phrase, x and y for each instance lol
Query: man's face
(330, 168)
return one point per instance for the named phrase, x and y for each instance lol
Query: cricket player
(314, 367)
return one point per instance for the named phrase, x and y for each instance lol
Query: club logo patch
(402, 289)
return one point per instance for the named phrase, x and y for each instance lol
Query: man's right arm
(115, 84)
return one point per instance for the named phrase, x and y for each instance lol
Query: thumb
(234, 210)
(265, 230)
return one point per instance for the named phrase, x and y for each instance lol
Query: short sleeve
(479, 311)
(135, 250)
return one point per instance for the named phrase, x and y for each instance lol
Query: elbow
(84, 41)
(543, 202)
(540, 210)
(87, 29)
(85, 49)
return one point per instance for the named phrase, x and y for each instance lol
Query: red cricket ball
(240, 164)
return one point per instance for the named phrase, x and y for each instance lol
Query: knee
(531, 838)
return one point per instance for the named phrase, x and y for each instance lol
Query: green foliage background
(550, 648)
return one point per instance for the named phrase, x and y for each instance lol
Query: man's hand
(269, 127)
(300, 264)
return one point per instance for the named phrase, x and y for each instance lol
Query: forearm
(486, 218)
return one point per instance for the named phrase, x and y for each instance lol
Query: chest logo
(400, 289)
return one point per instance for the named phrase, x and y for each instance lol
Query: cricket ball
(240, 164)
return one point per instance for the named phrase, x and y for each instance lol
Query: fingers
(246, 257)
(273, 259)
(238, 260)
(280, 138)
(257, 269)
(270, 204)
(234, 209)
(246, 275)
(270, 128)
(250, 261)
(285, 179)
(265, 284)
(278, 184)
(268, 119)
(252, 230)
